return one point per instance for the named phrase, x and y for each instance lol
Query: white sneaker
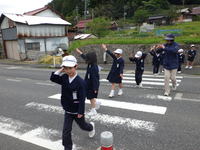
(179, 71)
(166, 94)
(120, 92)
(112, 93)
(136, 86)
(92, 133)
(190, 67)
(98, 104)
(140, 85)
(186, 67)
(92, 112)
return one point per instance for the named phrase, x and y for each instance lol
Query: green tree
(99, 27)
(141, 16)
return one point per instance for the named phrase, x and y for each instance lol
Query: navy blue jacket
(92, 76)
(181, 57)
(139, 62)
(156, 57)
(170, 56)
(70, 103)
(116, 69)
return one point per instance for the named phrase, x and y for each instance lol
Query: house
(157, 20)
(196, 11)
(33, 34)
(81, 25)
(185, 15)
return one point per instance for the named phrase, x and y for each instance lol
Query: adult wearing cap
(170, 61)
(138, 59)
(190, 57)
(116, 73)
(73, 96)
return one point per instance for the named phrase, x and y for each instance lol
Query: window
(33, 46)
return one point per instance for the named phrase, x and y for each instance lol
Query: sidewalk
(129, 68)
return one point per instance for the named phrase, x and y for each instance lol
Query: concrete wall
(127, 51)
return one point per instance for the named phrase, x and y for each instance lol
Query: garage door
(12, 50)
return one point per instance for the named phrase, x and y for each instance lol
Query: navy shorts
(91, 94)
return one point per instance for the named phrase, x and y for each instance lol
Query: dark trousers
(67, 128)
(156, 68)
(138, 76)
(179, 66)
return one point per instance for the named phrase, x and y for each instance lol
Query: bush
(99, 27)
(48, 59)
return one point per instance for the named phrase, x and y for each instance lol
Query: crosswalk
(51, 138)
(147, 80)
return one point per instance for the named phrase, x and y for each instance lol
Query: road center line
(14, 80)
(126, 105)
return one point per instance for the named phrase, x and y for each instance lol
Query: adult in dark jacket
(91, 78)
(170, 61)
(138, 59)
(116, 73)
(72, 99)
(190, 57)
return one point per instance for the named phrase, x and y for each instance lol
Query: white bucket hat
(180, 50)
(138, 54)
(69, 61)
(118, 51)
(192, 45)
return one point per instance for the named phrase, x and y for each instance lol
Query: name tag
(74, 94)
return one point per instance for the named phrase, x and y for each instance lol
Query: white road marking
(14, 67)
(48, 84)
(165, 98)
(15, 80)
(178, 96)
(38, 136)
(129, 123)
(125, 105)
(143, 82)
(149, 75)
(147, 79)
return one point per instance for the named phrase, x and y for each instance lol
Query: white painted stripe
(38, 136)
(125, 105)
(14, 67)
(149, 75)
(48, 84)
(143, 82)
(178, 96)
(129, 123)
(14, 80)
(147, 79)
(165, 98)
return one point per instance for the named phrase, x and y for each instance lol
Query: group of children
(74, 89)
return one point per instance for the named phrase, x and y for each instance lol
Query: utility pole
(85, 10)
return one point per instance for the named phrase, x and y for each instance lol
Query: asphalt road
(142, 119)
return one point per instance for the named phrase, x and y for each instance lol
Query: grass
(190, 34)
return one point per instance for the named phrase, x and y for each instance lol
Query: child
(191, 56)
(139, 61)
(72, 99)
(181, 58)
(116, 73)
(91, 78)
(155, 60)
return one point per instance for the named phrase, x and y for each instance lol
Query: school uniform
(73, 102)
(91, 79)
(191, 55)
(181, 58)
(116, 69)
(139, 67)
(155, 61)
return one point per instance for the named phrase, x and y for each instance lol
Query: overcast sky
(21, 6)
